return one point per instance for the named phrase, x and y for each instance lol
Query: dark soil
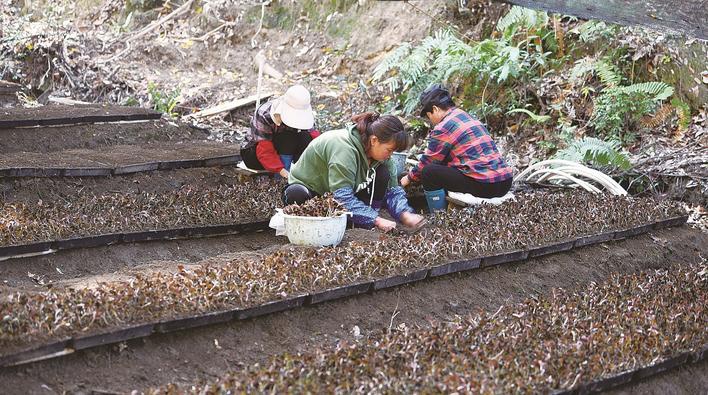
(190, 356)
(62, 114)
(91, 136)
(49, 189)
(118, 155)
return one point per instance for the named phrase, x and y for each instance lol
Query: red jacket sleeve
(266, 154)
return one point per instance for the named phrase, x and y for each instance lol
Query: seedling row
(23, 223)
(630, 327)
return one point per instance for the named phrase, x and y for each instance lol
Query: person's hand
(405, 181)
(284, 173)
(411, 220)
(384, 224)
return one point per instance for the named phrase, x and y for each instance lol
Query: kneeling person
(354, 165)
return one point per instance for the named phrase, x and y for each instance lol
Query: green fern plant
(618, 109)
(597, 153)
(521, 17)
(592, 31)
(607, 73)
(656, 91)
(442, 57)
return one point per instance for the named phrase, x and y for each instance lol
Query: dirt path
(189, 356)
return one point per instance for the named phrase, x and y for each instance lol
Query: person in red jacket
(281, 129)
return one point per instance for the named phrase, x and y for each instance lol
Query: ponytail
(386, 128)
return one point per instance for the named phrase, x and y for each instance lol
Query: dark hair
(386, 128)
(435, 95)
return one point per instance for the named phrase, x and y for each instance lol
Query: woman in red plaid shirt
(461, 155)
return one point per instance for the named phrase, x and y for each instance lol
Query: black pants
(436, 177)
(286, 143)
(298, 193)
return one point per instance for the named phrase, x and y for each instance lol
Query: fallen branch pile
(557, 342)
(531, 220)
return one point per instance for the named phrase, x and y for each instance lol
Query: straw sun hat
(294, 108)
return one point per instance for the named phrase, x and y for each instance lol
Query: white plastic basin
(315, 231)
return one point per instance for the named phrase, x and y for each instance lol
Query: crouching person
(280, 130)
(353, 164)
(461, 155)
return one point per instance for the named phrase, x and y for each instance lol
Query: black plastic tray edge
(454, 267)
(552, 248)
(25, 248)
(222, 160)
(136, 168)
(594, 239)
(38, 352)
(88, 242)
(394, 281)
(196, 321)
(339, 292)
(271, 307)
(506, 257)
(132, 332)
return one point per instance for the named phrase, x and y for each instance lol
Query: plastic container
(315, 231)
(399, 159)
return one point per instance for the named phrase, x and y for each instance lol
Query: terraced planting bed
(205, 353)
(291, 277)
(608, 334)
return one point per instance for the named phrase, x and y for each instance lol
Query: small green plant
(597, 153)
(418, 128)
(163, 102)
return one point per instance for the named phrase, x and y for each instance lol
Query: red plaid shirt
(462, 142)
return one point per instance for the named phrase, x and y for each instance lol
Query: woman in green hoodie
(353, 164)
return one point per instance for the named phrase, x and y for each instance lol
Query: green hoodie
(335, 160)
